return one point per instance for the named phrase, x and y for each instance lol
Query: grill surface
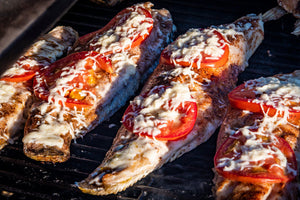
(189, 177)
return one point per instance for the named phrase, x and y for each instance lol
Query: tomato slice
(235, 161)
(158, 127)
(28, 66)
(247, 97)
(136, 32)
(205, 59)
(71, 80)
(19, 78)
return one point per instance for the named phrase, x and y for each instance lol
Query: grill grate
(190, 176)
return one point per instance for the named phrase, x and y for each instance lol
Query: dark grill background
(189, 177)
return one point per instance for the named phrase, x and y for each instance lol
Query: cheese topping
(124, 67)
(279, 92)
(143, 146)
(254, 152)
(48, 135)
(64, 85)
(158, 108)
(18, 67)
(6, 92)
(190, 46)
(122, 36)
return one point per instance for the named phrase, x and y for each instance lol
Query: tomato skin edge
(187, 129)
(42, 91)
(161, 137)
(19, 78)
(252, 180)
(248, 104)
(259, 177)
(88, 37)
(183, 132)
(165, 58)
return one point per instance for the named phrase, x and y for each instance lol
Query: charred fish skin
(132, 157)
(17, 97)
(50, 128)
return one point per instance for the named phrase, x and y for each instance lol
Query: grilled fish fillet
(50, 127)
(133, 157)
(236, 119)
(16, 97)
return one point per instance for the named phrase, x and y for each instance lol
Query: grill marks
(192, 172)
(55, 128)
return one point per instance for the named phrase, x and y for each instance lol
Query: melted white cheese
(190, 46)
(6, 92)
(253, 150)
(159, 108)
(17, 68)
(64, 84)
(48, 134)
(278, 92)
(123, 35)
(143, 146)
(124, 67)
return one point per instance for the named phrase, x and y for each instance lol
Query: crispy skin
(53, 145)
(228, 189)
(13, 112)
(132, 157)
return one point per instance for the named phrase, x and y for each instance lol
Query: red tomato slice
(260, 171)
(245, 98)
(29, 71)
(206, 60)
(80, 82)
(170, 130)
(20, 77)
(119, 20)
